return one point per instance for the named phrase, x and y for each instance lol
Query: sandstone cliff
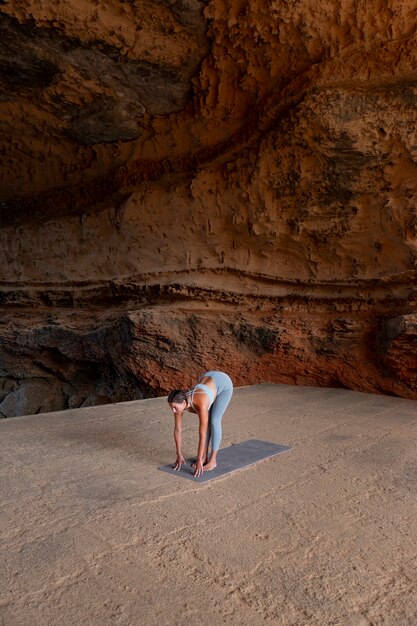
(189, 185)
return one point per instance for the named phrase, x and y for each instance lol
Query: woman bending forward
(208, 399)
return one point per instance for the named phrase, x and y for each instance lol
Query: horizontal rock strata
(191, 184)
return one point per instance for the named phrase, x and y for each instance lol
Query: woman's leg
(216, 413)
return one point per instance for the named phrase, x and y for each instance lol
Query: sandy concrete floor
(93, 534)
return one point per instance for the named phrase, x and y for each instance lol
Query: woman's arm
(202, 440)
(178, 441)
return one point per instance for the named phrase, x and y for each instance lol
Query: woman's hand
(198, 469)
(180, 461)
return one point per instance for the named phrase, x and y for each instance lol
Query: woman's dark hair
(177, 395)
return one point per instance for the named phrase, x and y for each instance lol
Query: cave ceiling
(98, 97)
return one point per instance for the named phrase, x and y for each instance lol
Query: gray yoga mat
(230, 459)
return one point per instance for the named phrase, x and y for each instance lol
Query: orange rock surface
(193, 184)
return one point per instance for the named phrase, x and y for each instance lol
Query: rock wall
(191, 185)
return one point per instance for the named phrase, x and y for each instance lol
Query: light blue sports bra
(202, 388)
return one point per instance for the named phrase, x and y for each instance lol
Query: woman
(209, 400)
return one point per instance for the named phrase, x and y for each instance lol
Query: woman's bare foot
(210, 465)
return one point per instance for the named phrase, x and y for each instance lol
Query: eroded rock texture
(190, 185)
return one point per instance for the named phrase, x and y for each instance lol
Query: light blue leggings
(224, 388)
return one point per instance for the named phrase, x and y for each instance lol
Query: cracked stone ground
(93, 534)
